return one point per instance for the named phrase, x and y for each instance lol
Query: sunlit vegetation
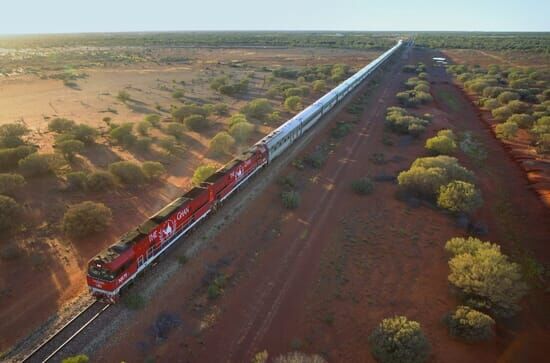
(401, 121)
(222, 143)
(86, 218)
(469, 324)
(202, 173)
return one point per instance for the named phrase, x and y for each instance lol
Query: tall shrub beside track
(86, 218)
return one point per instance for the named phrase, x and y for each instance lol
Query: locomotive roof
(168, 210)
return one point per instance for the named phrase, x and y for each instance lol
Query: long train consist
(117, 266)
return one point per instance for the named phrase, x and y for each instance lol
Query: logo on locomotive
(168, 230)
(237, 174)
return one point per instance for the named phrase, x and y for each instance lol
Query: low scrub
(35, 165)
(76, 180)
(459, 197)
(100, 181)
(362, 186)
(441, 145)
(290, 199)
(399, 340)
(401, 121)
(469, 324)
(153, 170)
(341, 129)
(10, 183)
(202, 173)
(222, 143)
(197, 123)
(297, 357)
(9, 213)
(86, 218)
(127, 172)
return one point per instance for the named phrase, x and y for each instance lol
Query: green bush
(470, 324)
(486, 278)
(127, 172)
(523, 120)
(143, 144)
(81, 358)
(9, 158)
(506, 130)
(447, 133)
(459, 197)
(293, 357)
(399, 340)
(363, 186)
(123, 96)
(35, 165)
(177, 94)
(143, 127)
(61, 125)
(507, 96)
(202, 173)
(459, 245)
(222, 143)
(175, 129)
(153, 119)
(400, 120)
(69, 148)
(501, 113)
(319, 86)
(100, 181)
(11, 135)
(84, 133)
(257, 108)
(9, 212)
(241, 131)
(221, 109)
(170, 144)
(215, 289)
(10, 183)
(153, 169)
(491, 104)
(441, 145)
(542, 126)
(518, 106)
(77, 180)
(86, 218)
(187, 110)
(123, 134)
(197, 123)
(293, 103)
(291, 199)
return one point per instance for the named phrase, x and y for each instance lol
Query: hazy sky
(61, 16)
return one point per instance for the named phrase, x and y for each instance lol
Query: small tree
(123, 134)
(399, 340)
(84, 133)
(10, 183)
(319, 86)
(197, 123)
(143, 127)
(34, 165)
(61, 125)
(441, 145)
(69, 148)
(469, 324)
(202, 173)
(77, 180)
(459, 196)
(291, 199)
(86, 218)
(100, 181)
(506, 130)
(237, 118)
(241, 131)
(221, 143)
(175, 129)
(257, 108)
(11, 135)
(153, 169)
(81, 358)
(362, 186)
(486, 278)
(9, 213)
(293, 103)
(127, 172)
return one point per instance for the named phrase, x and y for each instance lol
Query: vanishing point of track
(60, 339)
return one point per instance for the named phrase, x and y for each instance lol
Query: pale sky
(69, 16)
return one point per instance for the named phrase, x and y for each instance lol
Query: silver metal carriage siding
(281, 138)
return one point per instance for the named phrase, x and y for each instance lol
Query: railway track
(57, 342)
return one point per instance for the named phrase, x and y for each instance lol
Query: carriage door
(140, 261)
(150, 252)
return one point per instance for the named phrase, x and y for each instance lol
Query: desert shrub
(290, 199)
(222, 143)
(202, 173)
(423, 97)
(215, 289)
(492, 92)
(317, 158)
(362, 186)
(86, 218)
(459, 197)
(84, 133)
(409, 68)
(423, 75)
(518, 106)
(34, 165)
(221, 109)
(447, 133)
(77, 180)
(400, 121)
(9, 183)
(523, 120)
(501, 113)
(61, 125)
(507, 96)
(143, 127)
(486, 278)
(273, 117)
(236, 118)
(469, 324)
(197, 123)
(170, 145)
(123, 134)
(319, 86)
(441, 145)
(542, 143)
(153, 119)
(422, 88)
(9, 212)
(81, 358)
(123, 96)
(69, 148)
(153, 169)
(293, 91)
(9, 158)
(542, 126)
(341, 129)
(175, 129)
(506, 130)
(127, 172)
(298, 357)
(143, 144)
(293, 103)
(178, 94)
(241, 131)
(100, 181)
(257, 108)
(11, 135)
(399, 340)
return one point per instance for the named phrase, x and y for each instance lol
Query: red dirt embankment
(320, 278)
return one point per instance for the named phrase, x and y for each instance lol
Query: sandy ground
(27, 301)
(321, 277)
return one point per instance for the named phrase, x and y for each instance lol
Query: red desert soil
(320, 278)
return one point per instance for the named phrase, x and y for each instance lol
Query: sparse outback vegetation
(86, 218)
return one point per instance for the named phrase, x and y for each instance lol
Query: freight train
(118, 265)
